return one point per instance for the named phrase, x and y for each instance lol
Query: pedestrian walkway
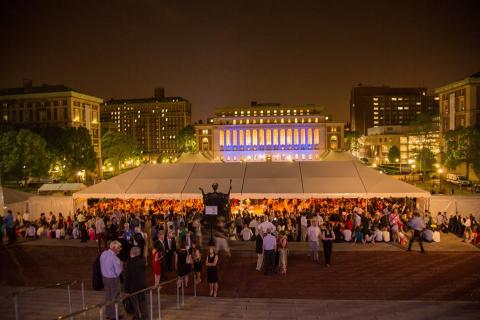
(54, 302)
(448, 243)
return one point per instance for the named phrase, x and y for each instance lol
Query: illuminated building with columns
(269, 132)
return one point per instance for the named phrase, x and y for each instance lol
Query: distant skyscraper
(384, 106)
(154, 122)
(270, 131)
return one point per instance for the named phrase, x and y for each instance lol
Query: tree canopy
(118, 147)
(393, 154)
(463, 146)
(186, 139)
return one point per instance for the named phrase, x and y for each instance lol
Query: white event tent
(254, 180)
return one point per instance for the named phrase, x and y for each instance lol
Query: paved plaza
(379, 281)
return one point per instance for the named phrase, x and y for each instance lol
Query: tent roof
(62, 187)
(313, 179)
(8, 195)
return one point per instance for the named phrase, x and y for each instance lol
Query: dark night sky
(222, 53)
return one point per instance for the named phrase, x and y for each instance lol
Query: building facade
(384, 106)
(379, 140)
(53, 105)
(459, 103)
(459, 107)
(154, 122)
(269, 132)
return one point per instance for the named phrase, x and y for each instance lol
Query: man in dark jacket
(135, 281)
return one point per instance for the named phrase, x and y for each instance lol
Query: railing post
(69, 299)
(101, 312)
(183, 293)
(116, 310)
(15, 304)
(194, 285)
(178, 294)
(83, 298)
(151, 304)
(158, 302)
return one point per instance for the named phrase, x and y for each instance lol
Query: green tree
(57, 139)
(118, 147)
(9, 157)
(79, 152)
(32, 153)
(186, 139)
(425, 159)
(393, 154)
(352, 143)
(463, 146)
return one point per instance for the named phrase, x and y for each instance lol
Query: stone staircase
(50, 303)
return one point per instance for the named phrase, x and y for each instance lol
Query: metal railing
(101, 307)
(16, 294)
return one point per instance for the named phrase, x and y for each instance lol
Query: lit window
(275, 137)
(375, 99)
(242, 141)
(302, 136)
(234, 137)
(310, 136)
(282, 136)
(295, 136)
(254, 137)
(394, 99)
(289, 136)
(269, 136)
(247, 138)
(260, 137)
(316, 136)
(221, 137)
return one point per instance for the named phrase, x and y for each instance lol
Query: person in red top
(157, 258)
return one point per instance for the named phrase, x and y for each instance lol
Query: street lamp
(440, 171)
(413, 172)
(399, 165)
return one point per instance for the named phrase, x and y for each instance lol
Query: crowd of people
(136, 232)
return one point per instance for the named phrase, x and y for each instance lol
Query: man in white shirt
(246, 233)
(253, 225)
(313, 233)
(269, 247)
(265, 226)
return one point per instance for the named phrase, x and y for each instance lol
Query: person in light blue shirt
(111, 268)
(418, 226)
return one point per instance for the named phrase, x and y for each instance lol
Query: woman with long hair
(212, 272)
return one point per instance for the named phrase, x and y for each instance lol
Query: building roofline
(469, 80)
(145, 100)
(44, 91)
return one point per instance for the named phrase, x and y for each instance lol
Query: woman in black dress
(197, 265)
(212, 272)
(183, 269)
(328, 236)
